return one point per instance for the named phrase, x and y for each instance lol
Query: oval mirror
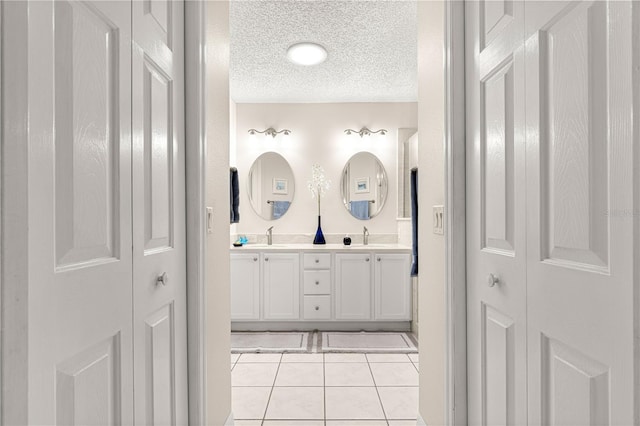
(271, 186)
(364, 186)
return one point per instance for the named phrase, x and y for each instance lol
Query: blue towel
(360, 209)
(414, 221)
(280, 208)
(234, 193)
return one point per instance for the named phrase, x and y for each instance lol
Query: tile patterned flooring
(331, 389)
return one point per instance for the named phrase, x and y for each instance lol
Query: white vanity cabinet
(392, 287)
(245, 286)
(281, 284)
(328, 288)
(353, 286)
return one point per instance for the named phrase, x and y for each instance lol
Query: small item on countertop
(237, 244)
(243, 239)
(346, 240)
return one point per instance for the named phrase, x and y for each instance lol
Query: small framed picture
(362, 185)
(280, 186)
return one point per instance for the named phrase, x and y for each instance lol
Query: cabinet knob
(492, 280)
(367, 259)
(266, 259)
(317, 260)
(255, 259)
(317, 282)
(378, 259)
(317, 308)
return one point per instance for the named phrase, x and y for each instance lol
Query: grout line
(264, 416)
(324, 388)
(377, 392)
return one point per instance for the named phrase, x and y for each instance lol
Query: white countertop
(323, 247)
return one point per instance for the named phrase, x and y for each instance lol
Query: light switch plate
(438, 220)
(210, 220)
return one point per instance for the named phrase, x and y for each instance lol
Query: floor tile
(302, 358)
(331, 357)
(234, 358)
(249, 402)
(348, 374)
(388, 358)
(247, 422)
(260, 358)
(300, 374)
(394, 374)
(293, 423)
(356, 423)
(299, 403)
(414, 357)
(399, 402)
(260, 374)
(353, 403)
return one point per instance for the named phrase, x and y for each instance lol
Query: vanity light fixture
(270, 132)
(366, 132)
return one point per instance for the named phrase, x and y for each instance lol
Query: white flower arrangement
(319, 184)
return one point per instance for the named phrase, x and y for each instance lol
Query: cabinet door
(392, 287)
(353, 286)
(245, 286)
(281, 286)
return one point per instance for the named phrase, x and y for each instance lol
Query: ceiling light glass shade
(307, 54)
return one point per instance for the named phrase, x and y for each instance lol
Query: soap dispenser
(346, 240)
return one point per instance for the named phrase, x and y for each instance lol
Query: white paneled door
(550, 231)
(496, 216)
(104, 340)
(580, 168)
(79, 329)
(159, 261)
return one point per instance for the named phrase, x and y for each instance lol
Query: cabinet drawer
(317, 307)
(317, 282)
(317, 260)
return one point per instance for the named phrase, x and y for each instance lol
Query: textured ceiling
(371, 45)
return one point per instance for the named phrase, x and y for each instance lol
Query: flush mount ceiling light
(306, 54)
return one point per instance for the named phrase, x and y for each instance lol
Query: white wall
(431, 249)
(218, 323)
(317, 136)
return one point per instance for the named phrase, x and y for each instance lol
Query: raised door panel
(497, 159)
(79, 304)
(281, 281)
(87, 137)
(158, 157)
(353, 287)
(392, 287)
(88, 388)
(498, 368)
(245, 286)
(160, 362)
(580, 163)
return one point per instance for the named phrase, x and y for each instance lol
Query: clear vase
(319, 239)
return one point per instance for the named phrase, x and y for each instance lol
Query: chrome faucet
(365, 236)
(269, 235)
